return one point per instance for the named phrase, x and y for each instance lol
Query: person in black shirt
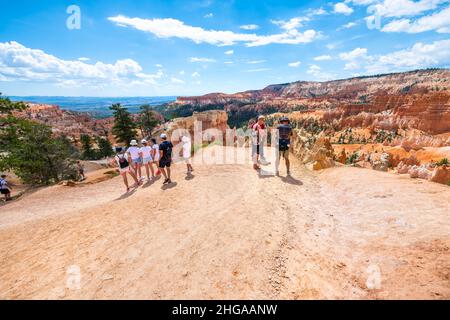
(285, 132)
(165, 150)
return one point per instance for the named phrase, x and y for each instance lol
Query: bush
(443, 162)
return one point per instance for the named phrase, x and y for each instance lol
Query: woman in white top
(147, 159)
(155, 154)
(136, 160)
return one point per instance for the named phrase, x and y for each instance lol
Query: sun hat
(261, 118)
(163, 136)
(133, 143)
(143, 141)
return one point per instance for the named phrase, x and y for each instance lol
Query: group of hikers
(131, 160)
(157, 158)
(259, 132)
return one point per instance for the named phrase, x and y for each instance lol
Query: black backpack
(123, 162)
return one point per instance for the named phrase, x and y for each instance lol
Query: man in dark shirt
(285, 132)
(165, 150)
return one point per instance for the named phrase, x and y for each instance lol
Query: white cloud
(249, 27)
(182, 73)
(341, 7)
(229, 52)
(176, 81)
(228, 62)
(354, 54)
(158, 65)
(295, 64)
(323, 58)
(83, 59)
(195, 75)
(400, 8)
(196, 59)
(209, 15)
(18, 62)
(420, 55)
(168, 28)
(317, 72)
(258, 70)
(439, 21)
(256, 61)
(292, 23)
(349, 25)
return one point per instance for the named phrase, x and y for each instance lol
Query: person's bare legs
(147, 171)
(125, 180)
(150, 164)
(288, 165)
(168, 173)
(133, 175)
(163, 171)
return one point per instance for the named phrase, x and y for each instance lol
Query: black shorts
(5, 191)
(165, 163)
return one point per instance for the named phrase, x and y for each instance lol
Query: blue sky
(148, 48)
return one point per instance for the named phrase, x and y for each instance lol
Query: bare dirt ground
(227, 233)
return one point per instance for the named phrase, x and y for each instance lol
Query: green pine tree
(105, 148)
(124, 129)
(147, 120)
(86, 145)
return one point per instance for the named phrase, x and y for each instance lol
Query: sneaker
(264, 162)
(169, 181)
(166, 181)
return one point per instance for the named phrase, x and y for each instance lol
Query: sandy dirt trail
(228, 233)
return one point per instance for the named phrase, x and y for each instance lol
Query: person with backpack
(165, 151)
(123, 160)
(284, 143)
(5, 189)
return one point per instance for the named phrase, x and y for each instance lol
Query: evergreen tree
(124, 127)
(30, 150)
(34, 155)
(86, 144)
(147, 120)
(105, 148)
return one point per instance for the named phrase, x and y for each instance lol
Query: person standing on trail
(147, 159)
(165, 151)
(258, 137)
(80, 169)
(123, 159)
(155, 154)
(136, 160)
(284, 143)
(5, 189)
(187, 145)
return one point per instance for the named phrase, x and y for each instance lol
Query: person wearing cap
(259, 135)
(136, 160)
(147, 159)
(284, 143)
(122, 160)
(165, 151)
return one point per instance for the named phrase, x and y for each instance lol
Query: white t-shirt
(186, 146)
(134, 152)
(146, 152)
(156, 148)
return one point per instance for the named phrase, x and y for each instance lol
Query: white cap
(133, 143)
(143, 141)
(163, 136)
